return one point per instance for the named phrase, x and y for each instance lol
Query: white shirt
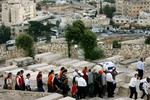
(27, 82)
(133, 82)
(81, 82)
(103, 79)
(75, 74)
(140, 65)
(109, 77)
(145, 87)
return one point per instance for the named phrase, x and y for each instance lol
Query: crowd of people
(84, 83)
(144, 83)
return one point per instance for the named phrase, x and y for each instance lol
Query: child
(74, 91)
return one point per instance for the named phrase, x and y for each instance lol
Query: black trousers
(140, 72)
(133, 92)
(145, 94)
(110, 89)
(81, 92)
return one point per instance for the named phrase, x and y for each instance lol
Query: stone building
(17, 11)
(144, 18)
(91, 22)
(131, 7)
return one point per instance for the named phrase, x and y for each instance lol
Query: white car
(10, 42)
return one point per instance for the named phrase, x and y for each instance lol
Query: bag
(5, 86)
(5, 83)
(141, 86)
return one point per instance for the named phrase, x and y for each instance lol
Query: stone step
(67, 98)
(58, 62)
(39, 56)
(32, 67)
(124, 89)
(53, 96)
(50, 58)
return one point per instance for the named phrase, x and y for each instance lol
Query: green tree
(26, 42)
(101, 8)
(86, 39)
(5, 34)
(147, 40)
(38, 29)
(57, 23)
(110, 1)
(38, 7)
(116, 44)
(109, 11)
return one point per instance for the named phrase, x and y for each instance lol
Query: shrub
(94, 54)
(116, 44)
(147, 40)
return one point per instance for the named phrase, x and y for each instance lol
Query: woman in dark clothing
(57, 84)
(40, 84)
(64, 81)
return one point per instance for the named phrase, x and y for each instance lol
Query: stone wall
(56, 48)
(11, 53)
(40, 48)
(21, 95)
(58, 7)
(127, 50)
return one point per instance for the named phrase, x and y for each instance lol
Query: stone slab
(39, 56)
(115, 59)
(78, 64)
(56, 70)
(89, 65)
(67, 98)
(129, 61)
(53, 96)
(50, 58)
(8, 68)
(58, 62)
(96, 98)
(33, 79)
(69, 63)
(147, 60)
(129, 76)
(14, 72)
(45, 68)
(32, 67)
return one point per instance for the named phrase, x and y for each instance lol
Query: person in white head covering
(81, 86)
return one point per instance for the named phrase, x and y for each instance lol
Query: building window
(140, 21)
(117, 20)
(122, 21)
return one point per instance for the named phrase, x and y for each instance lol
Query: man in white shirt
(110, 81)
(75, 74)
(132, 86)
(140, 68)
(81, 86)
(27, 82)
(145, 88)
